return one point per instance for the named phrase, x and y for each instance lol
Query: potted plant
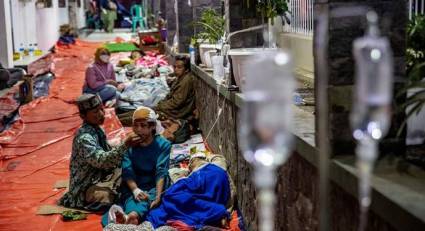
(265, 9)
(415, 89)
(211, 25)
(270, 9)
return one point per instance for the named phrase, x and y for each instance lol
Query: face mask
(104, 58)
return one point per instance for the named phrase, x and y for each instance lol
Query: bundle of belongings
(152, 59)
(67, 35)
(10, 76)
(149, 40)
(145, 78)
(41, 85)
(139, 64)
(131, 71)
(201, 197)
(42, 66)
(140, 92)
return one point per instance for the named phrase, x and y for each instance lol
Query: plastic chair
(137, 17)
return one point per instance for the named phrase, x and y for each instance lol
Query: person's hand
(120, 87)
(139, 195)
(225, 223)
(170, 80)
(112, 82)
(155, 203)
(132, 140)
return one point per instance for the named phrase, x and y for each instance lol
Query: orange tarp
(35, 151)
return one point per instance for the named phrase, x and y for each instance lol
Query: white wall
(47, 25)
(41, 26)
(63, 14)
(301, 47)
(6, 50)
(81, 18)
(23, 23)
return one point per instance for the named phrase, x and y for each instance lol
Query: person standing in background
(108, 14)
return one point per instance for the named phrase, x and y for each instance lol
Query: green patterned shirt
(92, 159)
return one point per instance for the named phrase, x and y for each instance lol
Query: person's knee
(139, 207)
(102, 195)
(108, 92)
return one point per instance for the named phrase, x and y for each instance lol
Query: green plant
(415, 53)
(212, 26)
(415, 69)
(272, 8)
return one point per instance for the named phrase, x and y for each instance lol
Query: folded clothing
(149, 40)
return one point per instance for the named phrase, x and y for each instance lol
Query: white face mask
(104, 58)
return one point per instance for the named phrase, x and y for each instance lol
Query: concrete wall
(241, 18)
(342, 30)
(301, 48)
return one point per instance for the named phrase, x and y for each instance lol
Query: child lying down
(198, 200)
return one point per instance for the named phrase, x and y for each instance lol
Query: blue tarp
(197, 200)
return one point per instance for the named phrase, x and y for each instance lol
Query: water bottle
(22, 50)
(192, 54)
(36, 50)
(31, 50)
(297, 99)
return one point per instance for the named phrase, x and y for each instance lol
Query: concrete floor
(101, 36)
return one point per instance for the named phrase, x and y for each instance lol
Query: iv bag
(374, 85)
(266, 116)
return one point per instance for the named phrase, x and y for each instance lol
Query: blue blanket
(198, 200)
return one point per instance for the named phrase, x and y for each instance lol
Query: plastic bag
(41, 85)
(112, 218)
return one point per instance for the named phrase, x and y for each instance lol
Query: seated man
(94, 176)
(180, 102)
(144, 169)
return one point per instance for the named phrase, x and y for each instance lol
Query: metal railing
(416, 7)
(301, 14)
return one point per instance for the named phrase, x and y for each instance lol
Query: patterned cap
(145, 113)
(87, 102)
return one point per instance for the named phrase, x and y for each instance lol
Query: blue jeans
(106, 92)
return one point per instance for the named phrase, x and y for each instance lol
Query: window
(62, 3)
(44, 3)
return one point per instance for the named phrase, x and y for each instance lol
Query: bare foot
(119, 218)
(133, 218)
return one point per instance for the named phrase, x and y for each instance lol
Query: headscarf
(100, 51)
(148, 114)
